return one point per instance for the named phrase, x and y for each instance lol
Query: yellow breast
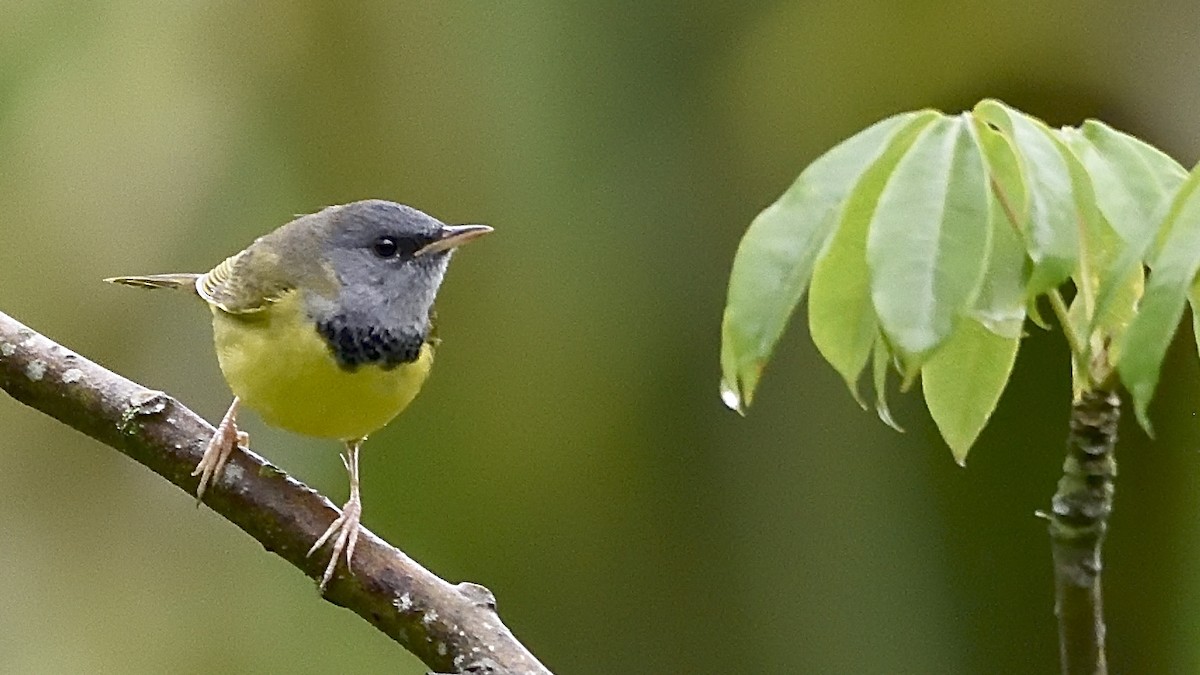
(278, 365)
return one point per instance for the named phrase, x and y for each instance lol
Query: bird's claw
(219, 448)
(345, 526)
(343, 532)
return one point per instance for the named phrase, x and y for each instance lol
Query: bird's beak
(452, 236)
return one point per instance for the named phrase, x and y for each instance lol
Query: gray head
(389, 260)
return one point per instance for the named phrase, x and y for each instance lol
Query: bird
(324, 327)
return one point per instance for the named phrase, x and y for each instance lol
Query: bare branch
(452, 628)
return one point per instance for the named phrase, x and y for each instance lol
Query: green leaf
(1106, 329)
(1098, 241)
(840, 317)
(1132, 179)
(1194, 301)
(963, 383)
(1118, 312)
(1174, 270)
(775, 258)
(1051, 232)
(1099, 244)
(1000, 306)
(883, 358)
(1134, 183)
(928, 240)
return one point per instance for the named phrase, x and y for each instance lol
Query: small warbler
(324, 327)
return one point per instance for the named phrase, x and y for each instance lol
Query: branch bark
(450, 627)
(1078, 522)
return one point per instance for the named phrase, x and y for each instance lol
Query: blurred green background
(570, 451)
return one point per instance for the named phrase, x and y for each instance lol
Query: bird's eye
(385, 247)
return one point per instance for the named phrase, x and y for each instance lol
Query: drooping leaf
(882, 360)
(1173, 273)
(928, 240)
(775, 258)
(1051, 234)
(840, 317)
(1000, 306)
(963, 382)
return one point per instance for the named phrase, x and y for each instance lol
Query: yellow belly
(279, 366)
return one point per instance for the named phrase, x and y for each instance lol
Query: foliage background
(570, 452)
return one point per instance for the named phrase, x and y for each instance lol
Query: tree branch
(1078, 522)
(450, 627)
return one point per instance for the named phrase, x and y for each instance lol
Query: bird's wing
(247, 282)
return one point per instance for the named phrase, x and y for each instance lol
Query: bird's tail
(185, 281)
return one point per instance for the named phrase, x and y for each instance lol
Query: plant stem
(1079, 350)
(1078, 522)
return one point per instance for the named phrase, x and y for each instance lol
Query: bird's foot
(219, 448)
(343, 532)
(345, 526)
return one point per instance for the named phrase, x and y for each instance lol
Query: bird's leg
(219, 448)
(345, 527)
